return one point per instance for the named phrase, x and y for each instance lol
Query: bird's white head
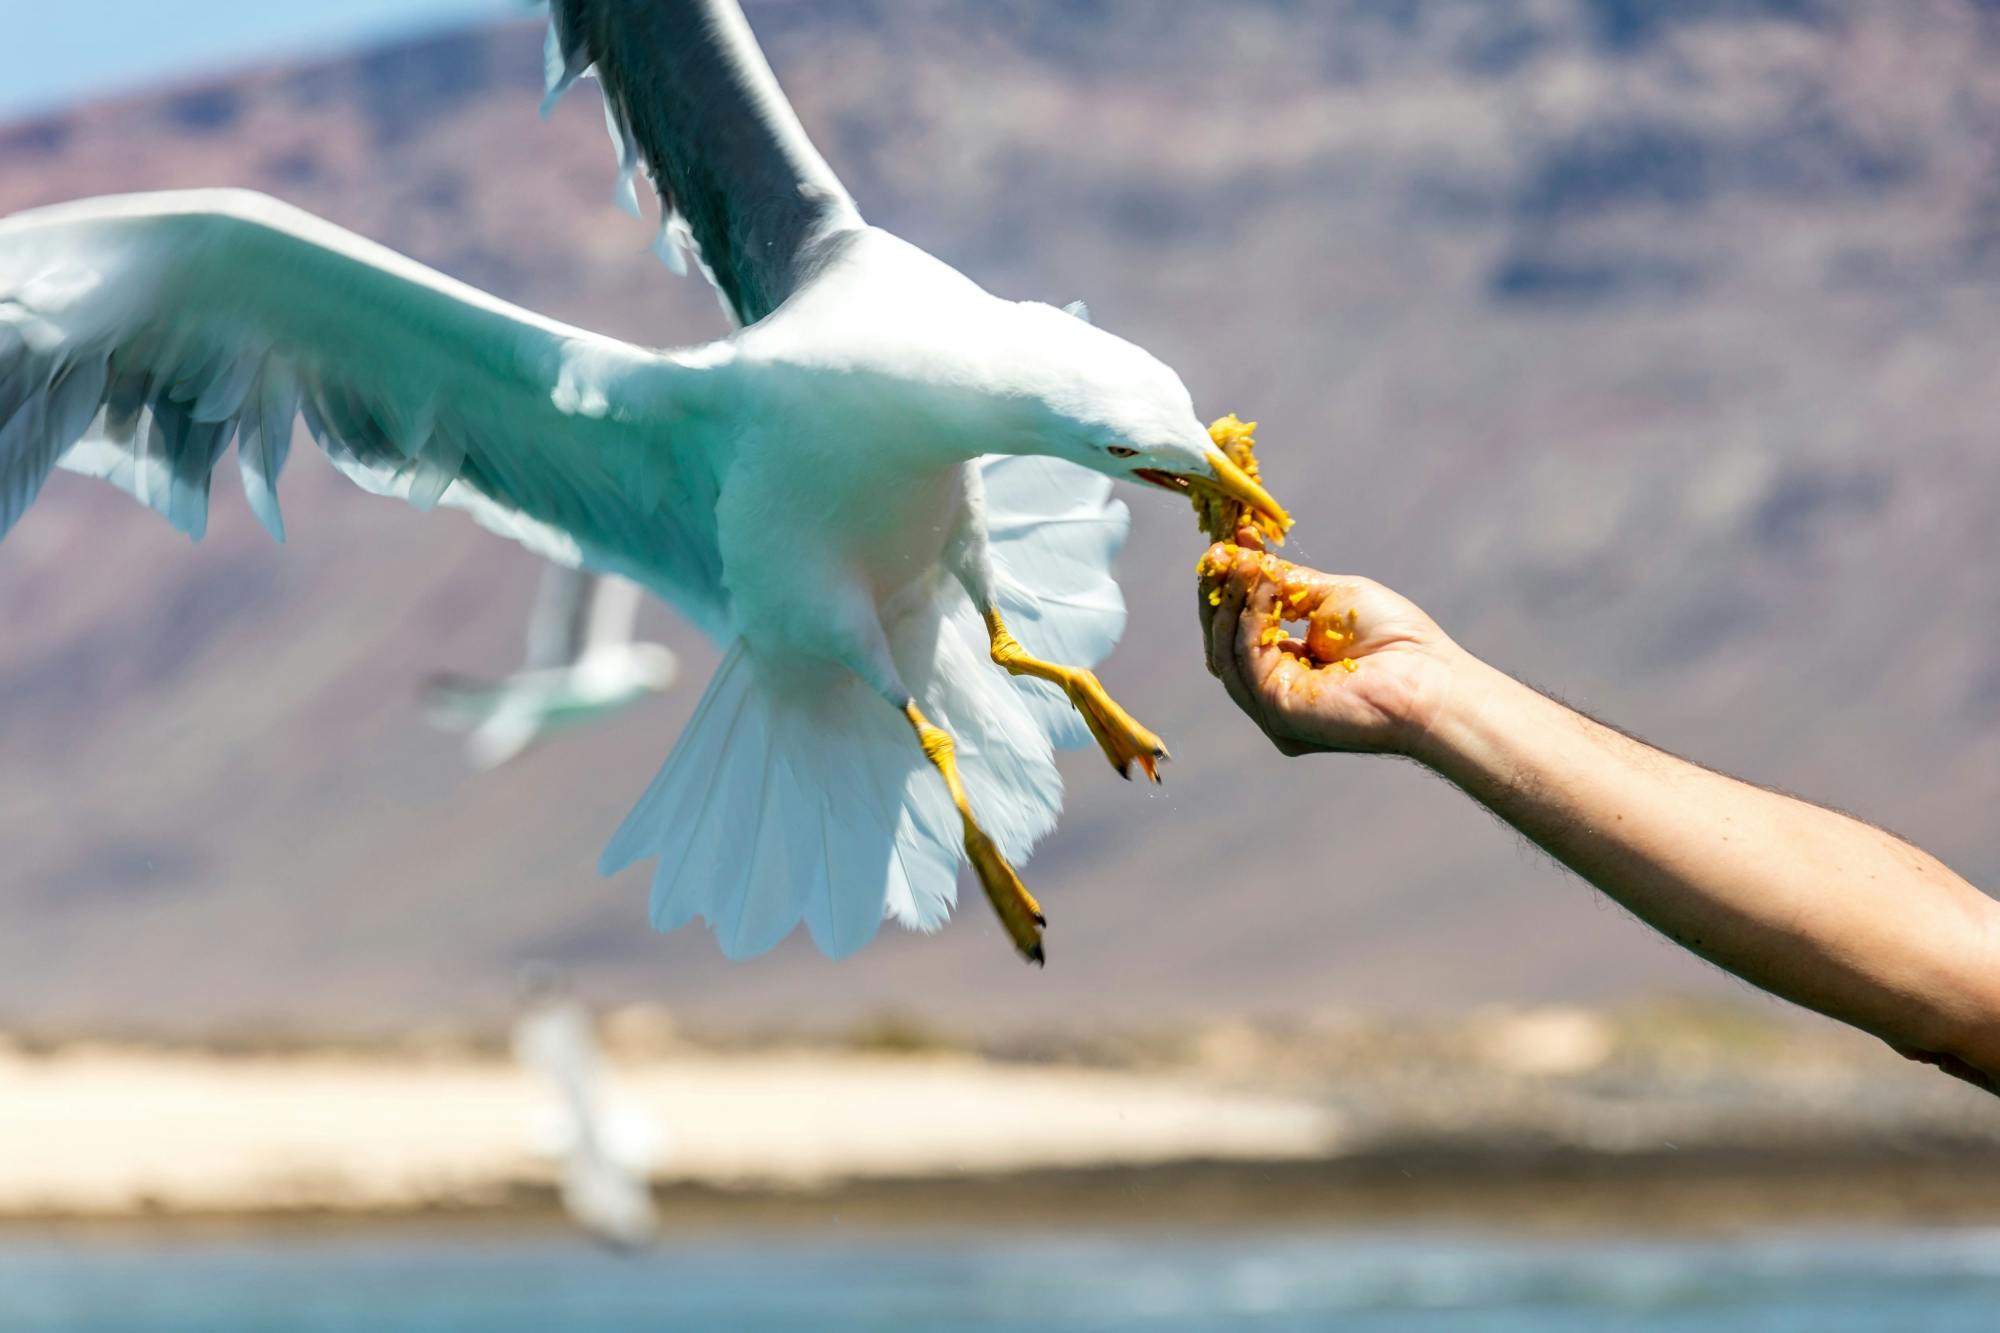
(1095, 399)
(653, 666)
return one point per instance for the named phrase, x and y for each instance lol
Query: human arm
(1803, 902)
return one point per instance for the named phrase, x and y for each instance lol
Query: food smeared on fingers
(1296, 595)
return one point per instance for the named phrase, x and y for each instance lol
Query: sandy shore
(112, 1132)
(1542, 1118)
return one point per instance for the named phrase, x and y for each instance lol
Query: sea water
(1909, 1282)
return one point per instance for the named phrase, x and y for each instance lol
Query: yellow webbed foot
(1118, 733)
(1020, 915)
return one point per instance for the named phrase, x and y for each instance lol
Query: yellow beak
(1235, 483)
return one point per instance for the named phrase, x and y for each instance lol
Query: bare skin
(1808, 904)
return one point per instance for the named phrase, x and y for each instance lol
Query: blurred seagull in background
(603, 1150)
(582, 663)
(885, 496)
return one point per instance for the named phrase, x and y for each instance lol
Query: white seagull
(862, 495)
(582, 664)
(604, 1149)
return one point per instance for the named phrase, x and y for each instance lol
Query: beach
(1550, 1117)
(112, 1132)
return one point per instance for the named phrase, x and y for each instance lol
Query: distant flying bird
(862, 495)
(582, 664)
(602, 1151)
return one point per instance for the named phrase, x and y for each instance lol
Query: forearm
(1808, 904)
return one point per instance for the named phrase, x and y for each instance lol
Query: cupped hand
(1368, 672)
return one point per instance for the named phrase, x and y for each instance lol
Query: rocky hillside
(1650, 344)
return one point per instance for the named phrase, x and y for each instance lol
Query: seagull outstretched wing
(139, 334)
(690, 100)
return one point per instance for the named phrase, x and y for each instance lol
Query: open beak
(1225, 479)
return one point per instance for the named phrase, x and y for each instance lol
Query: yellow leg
(1118, 733)
(1016, 907)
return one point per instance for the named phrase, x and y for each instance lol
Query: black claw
(1041, 921)
(1034, 956)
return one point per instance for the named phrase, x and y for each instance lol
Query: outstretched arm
(1808, 904)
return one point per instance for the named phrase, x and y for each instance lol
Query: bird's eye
(1120, 451)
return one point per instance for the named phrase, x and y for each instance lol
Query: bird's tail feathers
(778, 805)
(810, 799)
(805, 796)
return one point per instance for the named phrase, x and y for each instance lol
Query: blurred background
(1646, 343)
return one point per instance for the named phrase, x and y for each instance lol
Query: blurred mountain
(1649, 344)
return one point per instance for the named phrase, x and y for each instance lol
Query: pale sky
(55, 52)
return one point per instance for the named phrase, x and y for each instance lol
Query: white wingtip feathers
(434, 468)
(561, 68)
(625, 193)
(155, 428)
(264, 441)
(667, 245)
(557, 77)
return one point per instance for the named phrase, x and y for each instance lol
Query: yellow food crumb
(1349, 665)
(1272, 633)
(1220, 516)
(1215, 598)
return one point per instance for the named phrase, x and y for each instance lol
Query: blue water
(1909, 1282)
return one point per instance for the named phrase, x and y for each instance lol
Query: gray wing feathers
(689, 96)
(139, 335)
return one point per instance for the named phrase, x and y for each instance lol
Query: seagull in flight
(582, 663)
(603, 1149)
(885, 495)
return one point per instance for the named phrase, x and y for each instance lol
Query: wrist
(1464, 729)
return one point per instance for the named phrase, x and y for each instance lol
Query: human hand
(1370, 674)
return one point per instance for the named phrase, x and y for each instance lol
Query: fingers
(1221, 601)
(1260, 632)
(1246, 598)
(1326, 604)
(1250, 644)
(1228, 575)
(1225, 585)
(1208, 599)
